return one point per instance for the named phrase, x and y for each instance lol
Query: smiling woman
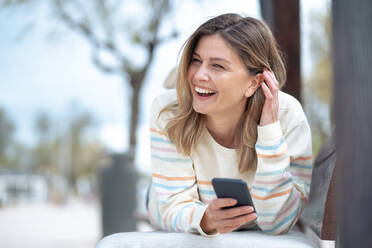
(228, 118)
(213, 66)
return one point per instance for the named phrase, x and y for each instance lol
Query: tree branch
(108, 44)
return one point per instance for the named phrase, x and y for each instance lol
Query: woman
(229, 119)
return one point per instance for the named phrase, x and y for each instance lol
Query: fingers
(212, 214)
(266, 91)
(228, 229)
(222, 202)
(228, 225)
(226, 220)
(271, 81)
(271, 75)
(234, 212)
(270, 86)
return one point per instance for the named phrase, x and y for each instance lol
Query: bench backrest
(318, 214)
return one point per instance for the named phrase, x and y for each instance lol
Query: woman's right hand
(225, 220)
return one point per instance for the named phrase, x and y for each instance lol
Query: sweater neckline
(217, 145)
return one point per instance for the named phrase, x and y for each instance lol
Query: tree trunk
(267, 12)
(134, 116)
(283, 17)
(352, 56)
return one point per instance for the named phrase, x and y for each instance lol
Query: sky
(40, 72)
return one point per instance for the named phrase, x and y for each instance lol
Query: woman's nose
(201, 74)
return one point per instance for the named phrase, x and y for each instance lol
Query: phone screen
(233, 188)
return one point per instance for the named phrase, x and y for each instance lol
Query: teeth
(204, 91)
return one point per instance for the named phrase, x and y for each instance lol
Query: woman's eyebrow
(196, 54)
(215, 58)
(220, 59)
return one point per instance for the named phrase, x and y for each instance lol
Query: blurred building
(18, 188)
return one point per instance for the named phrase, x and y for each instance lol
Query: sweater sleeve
(174, 181)
(282, 181)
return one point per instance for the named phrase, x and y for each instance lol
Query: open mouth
(204, 92)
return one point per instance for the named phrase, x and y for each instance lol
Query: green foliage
(321, 81)
(67, 150)
(318, 87)
(115, 30)
(43, 153)
(6, 137)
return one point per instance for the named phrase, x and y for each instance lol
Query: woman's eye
(218, 66)
(195, 60)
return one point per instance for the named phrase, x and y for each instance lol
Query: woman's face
(218, 78)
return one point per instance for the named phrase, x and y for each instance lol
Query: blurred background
(77, 79)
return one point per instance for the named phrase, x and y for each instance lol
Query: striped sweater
(182, 188)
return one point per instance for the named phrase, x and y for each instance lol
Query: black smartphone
(233, 188)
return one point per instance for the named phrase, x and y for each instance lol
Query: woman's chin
(200, 109)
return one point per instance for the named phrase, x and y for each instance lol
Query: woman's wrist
(204, 225)
(268, 121)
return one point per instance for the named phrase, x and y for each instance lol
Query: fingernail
(249, 209)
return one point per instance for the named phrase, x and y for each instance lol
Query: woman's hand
(225, 220)
(271, 106)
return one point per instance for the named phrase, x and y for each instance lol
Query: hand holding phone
(224, 214)
(233, 188)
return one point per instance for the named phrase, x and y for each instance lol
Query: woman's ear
(254, 84)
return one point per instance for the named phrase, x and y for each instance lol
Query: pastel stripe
(170, 187)
(280, 213)
(177, 160)
(157, 139)
(273, 155)
(207, 192)
(170, 217)
(270, 173)
(204, 182)
(163, 149)
(304, 183)
(302, 166)
(270, 147)
(271, 190)
(267, 214)
(161, 223)
(301, 175)
(270, 182)
(303, 197)
(173, 178)
(192, 214)
(290, 217)
(263, 198)
(163, 202)
(301, 158)
(165, 220)
(164, 193)
(180, 212)
(153, 130)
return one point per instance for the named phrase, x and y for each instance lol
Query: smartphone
(233, 188)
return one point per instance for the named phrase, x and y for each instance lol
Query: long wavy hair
(254, 43)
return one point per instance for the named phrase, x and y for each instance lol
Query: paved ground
(45, 226)
(76, 225)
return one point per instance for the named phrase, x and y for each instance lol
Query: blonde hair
(254, 43)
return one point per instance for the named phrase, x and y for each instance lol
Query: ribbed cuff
(269, 132)
(198, 216)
